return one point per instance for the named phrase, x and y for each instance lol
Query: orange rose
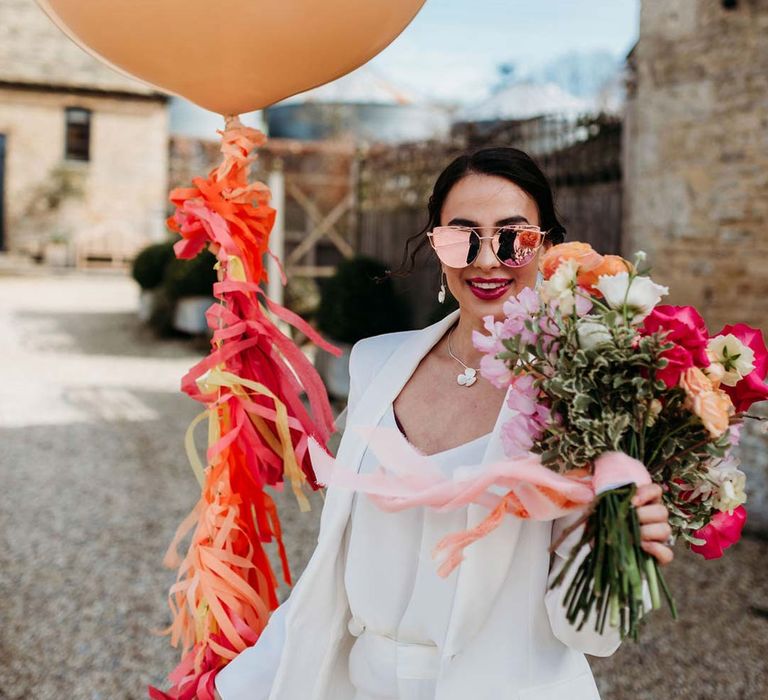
(713, 406)
(695, 382)
(715, 409)
(609, 265)
(582, 253)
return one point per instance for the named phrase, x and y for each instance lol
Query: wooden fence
(341, 199)
(582, 160)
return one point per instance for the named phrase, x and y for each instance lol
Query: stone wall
(696, 169)
(697, 154)
(124, 185)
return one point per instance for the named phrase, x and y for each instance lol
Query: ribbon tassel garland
(251, 386)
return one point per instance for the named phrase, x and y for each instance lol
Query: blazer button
(355, 627)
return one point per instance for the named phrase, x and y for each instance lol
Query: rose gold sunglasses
(513, 245)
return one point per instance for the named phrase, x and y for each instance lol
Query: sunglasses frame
(496, 229)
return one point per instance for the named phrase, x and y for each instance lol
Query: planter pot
(335, 370)
(189, 315)
(147, 301)
(56, 254)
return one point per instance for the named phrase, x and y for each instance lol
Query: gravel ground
(95, 481)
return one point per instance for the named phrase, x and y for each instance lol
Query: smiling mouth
(491, 285)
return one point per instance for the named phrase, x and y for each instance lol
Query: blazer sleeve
(587, 640)
(251, 674)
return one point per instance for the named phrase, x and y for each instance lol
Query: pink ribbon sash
(407, 479)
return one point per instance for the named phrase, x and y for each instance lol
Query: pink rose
(686, 329)
(720, 533)
(751, 388)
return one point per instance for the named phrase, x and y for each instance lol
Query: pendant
(467, 377)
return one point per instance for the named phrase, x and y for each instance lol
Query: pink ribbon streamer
(407, 479)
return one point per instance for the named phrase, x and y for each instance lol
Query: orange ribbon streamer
(251, 384)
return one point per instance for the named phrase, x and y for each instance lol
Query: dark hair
(510, 163)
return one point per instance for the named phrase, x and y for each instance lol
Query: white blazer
(530, 652)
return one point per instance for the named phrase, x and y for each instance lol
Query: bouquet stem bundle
(610, 578)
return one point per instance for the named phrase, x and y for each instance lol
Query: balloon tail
(251, 384)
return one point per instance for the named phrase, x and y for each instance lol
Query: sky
(452, 48)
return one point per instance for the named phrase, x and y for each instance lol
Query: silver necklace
(469, 376)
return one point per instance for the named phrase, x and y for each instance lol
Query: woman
(369, 619)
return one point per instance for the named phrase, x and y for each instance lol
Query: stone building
(696, 154)
(83, 149)
(696, 170)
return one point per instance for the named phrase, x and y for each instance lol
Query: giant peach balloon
(233, 56)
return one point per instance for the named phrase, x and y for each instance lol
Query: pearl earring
(539, 279)
(441, 293)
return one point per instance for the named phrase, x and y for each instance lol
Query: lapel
(486, 562)
(381, 392)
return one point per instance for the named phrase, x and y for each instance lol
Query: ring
(670, 541)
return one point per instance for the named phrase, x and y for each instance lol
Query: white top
(401, 629)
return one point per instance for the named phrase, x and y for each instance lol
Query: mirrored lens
(516, 246)
(455, 246)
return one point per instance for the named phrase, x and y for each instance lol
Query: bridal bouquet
(595, 364)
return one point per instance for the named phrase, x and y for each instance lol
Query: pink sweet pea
(528, 418)
(751, 388)
(490, 343)
(495, 371)
(686, 329)
(720, 533)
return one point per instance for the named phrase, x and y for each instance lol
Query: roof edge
(84, 91)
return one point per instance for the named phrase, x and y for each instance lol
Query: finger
(660, 552)
(655, 531)
(653, 513)
(646, 494)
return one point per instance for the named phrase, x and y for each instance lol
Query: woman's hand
(654, 522)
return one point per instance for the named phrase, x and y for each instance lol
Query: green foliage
(149, 265)
(354, 305)
(603, 397)
(189, 278)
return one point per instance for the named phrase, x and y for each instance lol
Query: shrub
(442, 310)
(149, 265)
(353, 305)
(190, 278)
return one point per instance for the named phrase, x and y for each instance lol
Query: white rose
(736, 359)
(592, 333)
(639, 294)
(559, 287)
(729, 482)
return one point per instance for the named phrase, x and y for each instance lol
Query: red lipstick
(489, 288)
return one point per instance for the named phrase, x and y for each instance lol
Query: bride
(370, 619)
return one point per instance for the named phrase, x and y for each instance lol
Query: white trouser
(384, 668)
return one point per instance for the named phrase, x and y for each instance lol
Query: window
(78, 134)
